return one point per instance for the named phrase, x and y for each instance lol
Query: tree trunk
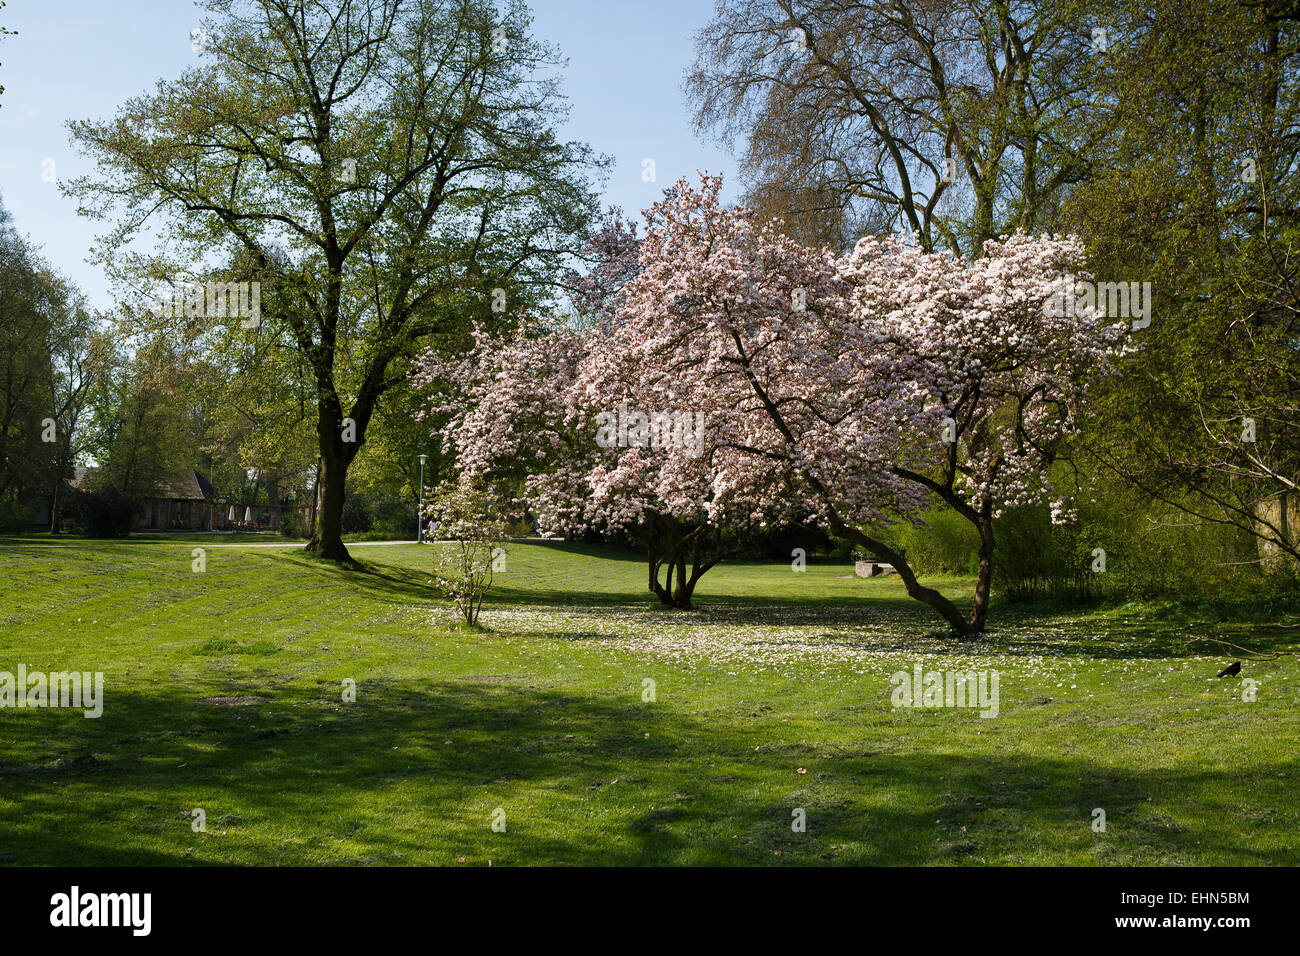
(677, 593)
(55, 501)
(984, 579)
(63, 470)
(929, 596)
(327, 535)
(684, 588)
(677, 588)
(315, 499)
(54, 507)
(339, 440)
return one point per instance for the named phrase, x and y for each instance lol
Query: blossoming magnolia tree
(871, 383)
(585, 452)
(591, 444)
(850, 390)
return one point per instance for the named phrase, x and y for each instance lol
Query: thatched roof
(189, 485)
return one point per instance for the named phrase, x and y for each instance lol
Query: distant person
(428, 531)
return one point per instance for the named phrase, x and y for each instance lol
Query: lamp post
(419, 517)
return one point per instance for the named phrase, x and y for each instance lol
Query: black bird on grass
(1232, 670)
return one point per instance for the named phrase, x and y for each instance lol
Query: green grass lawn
(223, 690)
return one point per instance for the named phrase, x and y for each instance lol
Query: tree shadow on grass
(605, 552)
(874, 630)
(411, 773)
(875, 622)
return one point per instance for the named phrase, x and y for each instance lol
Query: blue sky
(80, 59)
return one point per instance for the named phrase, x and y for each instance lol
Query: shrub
(466, 565)
(356, 514)
(13, 515)
(378, 515)
(106, 513)
(292, 525)
(1034, 558)
(520, 528)
(392, 515)
(1151, 551)
(947, 544)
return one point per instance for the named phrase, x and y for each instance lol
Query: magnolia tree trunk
(984, 577)
(667, 544)
(676, 589)
(970, 625)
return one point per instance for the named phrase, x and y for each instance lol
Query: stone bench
(871, 569)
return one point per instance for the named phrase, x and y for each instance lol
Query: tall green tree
(79, 355)
(26, 318)
(144, 419)
(49, 350)
(1198, 192)
(382, 167)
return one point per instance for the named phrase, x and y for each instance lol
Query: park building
(184, 502)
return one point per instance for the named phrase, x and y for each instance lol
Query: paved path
(250, 544)
(193, 544)
(293, 544)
